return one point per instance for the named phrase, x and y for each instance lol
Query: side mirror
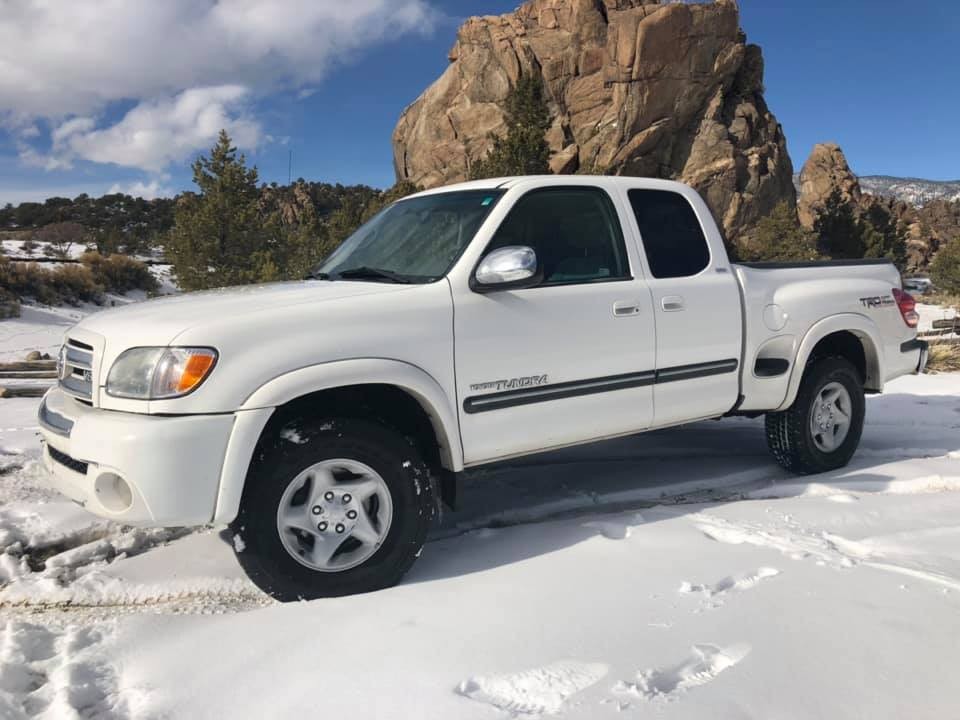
(507, 268)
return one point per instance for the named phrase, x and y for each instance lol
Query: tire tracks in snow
(824, 548)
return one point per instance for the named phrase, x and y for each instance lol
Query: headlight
(157, 373)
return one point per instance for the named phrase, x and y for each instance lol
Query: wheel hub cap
(830, 417)
(334, 515)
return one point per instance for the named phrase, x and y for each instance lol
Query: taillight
(908, 307)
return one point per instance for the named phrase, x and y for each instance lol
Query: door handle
(625, 309)
(672, 303)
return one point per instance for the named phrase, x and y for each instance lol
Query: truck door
(570, 359)
(696, 305)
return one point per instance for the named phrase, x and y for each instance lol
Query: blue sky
(327, 81)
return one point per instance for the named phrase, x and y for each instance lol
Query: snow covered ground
(677, 574)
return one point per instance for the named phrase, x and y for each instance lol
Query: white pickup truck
(326, 419)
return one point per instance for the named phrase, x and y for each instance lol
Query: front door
(570, 359)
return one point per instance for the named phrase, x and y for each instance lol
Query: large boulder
(825, 171)
(635, 87)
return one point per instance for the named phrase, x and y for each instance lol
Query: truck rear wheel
(822, 429)
(332, 508)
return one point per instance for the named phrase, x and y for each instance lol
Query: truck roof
(607, 181)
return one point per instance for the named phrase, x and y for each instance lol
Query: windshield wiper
(313, 275)
(369, 273)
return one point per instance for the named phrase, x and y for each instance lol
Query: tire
(798, 441)
(289, 487)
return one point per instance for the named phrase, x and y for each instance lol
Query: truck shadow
(681, 469)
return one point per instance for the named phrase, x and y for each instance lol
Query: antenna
(290, 167)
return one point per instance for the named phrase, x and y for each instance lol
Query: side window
(574, 231)
(671, 234)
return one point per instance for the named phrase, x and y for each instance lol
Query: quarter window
(672, 237)
(574, 231)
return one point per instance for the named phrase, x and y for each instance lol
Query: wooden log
(28, 375)
(27, 365)
(947, 324)
(22, 391)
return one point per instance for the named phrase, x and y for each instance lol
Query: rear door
(696, 304)
(570, 359)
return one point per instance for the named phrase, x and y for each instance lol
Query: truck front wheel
(333, 507)
(822, 429)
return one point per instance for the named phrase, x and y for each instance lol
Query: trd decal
(877, 301)
(511, 384)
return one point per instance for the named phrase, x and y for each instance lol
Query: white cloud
(156, 133)
(146, 190)
(63, 58)
(189, 65)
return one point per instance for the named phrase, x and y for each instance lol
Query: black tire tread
(272, 465)
(787, 432)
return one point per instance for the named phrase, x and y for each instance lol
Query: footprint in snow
(537, 691)
(47, 673)
(610, 530)
(702, 666)
(615, 530)
(730, 584)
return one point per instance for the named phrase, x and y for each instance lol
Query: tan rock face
(635, 88)
(825, 170)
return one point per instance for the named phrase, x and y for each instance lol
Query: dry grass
(942, 299)
(944, 357)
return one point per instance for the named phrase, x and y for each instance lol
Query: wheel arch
(405, 388)
(854, 337)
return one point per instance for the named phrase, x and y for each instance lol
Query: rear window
(672, 237)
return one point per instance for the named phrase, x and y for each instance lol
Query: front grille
(76, 369)
(76, 465)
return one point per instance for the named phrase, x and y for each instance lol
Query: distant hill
(914, 191)
(139, 225)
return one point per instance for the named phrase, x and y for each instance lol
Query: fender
(256, 410)
(861, 326)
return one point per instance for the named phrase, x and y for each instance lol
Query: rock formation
(925, 227)
(824, 171)
(635, 87)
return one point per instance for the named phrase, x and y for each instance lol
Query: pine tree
(779, 236)
(524, 150)
(218, 237)
(945, 268)
(837, 228)
(882, 237)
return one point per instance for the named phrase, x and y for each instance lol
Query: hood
(159, 321)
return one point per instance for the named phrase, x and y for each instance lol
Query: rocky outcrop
(925, 227)
(825, 171)
(928, 228)
(635, 87)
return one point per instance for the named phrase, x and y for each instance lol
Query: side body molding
(258, 407)
(861, 326)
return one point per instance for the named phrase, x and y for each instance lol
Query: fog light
(113, 492)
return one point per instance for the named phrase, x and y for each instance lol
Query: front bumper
(133, 468)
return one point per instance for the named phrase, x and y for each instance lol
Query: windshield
(414, 240)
